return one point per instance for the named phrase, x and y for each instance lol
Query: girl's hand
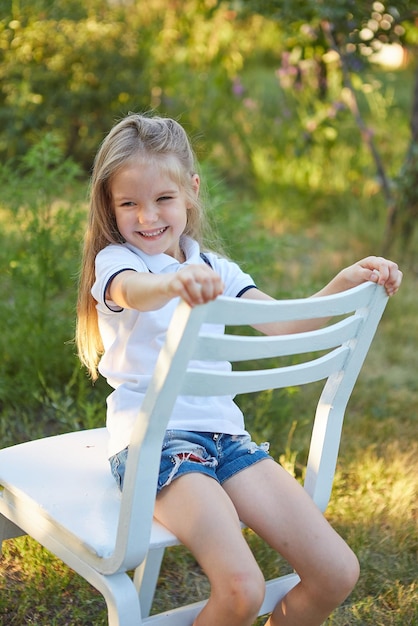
(196, 284)
(376, 269)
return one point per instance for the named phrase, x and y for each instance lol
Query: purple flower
(238, 88)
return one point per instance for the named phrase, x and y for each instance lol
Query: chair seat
(68, 477)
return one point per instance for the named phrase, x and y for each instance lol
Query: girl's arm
(198, 284)
(143, 291)
(375, 269)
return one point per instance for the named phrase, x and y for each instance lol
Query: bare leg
(200, 513)
(276, 507)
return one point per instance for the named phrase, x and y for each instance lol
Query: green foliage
(42, 230)
(347, 16)
(71, 74)
(407, 195)
(250, 81)
(74, 68)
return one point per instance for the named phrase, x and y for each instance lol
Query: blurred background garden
(304, 116)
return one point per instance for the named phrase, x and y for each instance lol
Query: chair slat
(228, 310)
(207, 382)
(241, 348)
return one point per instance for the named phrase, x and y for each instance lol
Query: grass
(291, 238)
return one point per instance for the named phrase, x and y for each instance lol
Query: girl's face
(150, 208)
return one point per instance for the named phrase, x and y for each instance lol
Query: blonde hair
(158, 140)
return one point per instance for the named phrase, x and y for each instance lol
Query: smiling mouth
(150, 234)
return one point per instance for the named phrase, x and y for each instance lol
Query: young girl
(143, 252)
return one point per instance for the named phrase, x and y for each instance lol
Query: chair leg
(146, 577)
(121, 598)
(118, 590)
(8, 530)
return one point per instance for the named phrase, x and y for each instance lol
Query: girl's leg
(277, 508)
(200, 513)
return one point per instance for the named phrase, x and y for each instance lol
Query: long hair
(162, 141)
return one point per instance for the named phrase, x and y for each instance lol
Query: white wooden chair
(60, 491)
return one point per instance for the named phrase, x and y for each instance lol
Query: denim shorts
(217, 455)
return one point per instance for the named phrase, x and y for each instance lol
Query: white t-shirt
(132, 341)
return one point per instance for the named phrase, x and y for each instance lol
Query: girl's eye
(163, 198)
(128, 203)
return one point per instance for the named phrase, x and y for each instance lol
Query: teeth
(154, 234)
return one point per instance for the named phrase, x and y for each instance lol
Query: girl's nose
(147, 215)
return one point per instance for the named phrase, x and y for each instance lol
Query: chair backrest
(341, 348)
